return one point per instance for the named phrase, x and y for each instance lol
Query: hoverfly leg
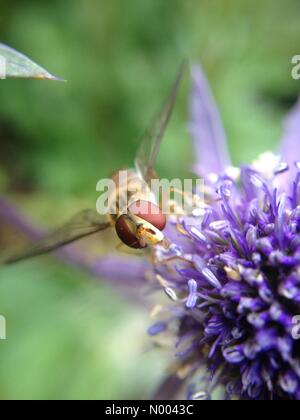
(191, 201)
(123, 248)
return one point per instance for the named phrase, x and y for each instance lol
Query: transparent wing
(151, 141)
(80, 226)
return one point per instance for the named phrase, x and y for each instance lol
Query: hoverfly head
(142, 226)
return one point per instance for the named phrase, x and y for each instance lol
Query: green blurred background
(68, 335)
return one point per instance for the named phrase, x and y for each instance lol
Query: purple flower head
(232, 272)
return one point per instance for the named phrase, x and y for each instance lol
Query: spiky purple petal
(290, 142)
(206, 128)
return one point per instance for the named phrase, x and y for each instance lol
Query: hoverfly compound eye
(149, 212)
(126, 231)
(139, 235)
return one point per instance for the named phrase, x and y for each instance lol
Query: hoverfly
(142, 223)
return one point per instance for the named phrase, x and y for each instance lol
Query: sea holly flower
(232, 273)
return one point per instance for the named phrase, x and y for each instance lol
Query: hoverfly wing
(81, 225)
(151, 141)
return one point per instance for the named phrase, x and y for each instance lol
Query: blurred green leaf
(17, 65)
